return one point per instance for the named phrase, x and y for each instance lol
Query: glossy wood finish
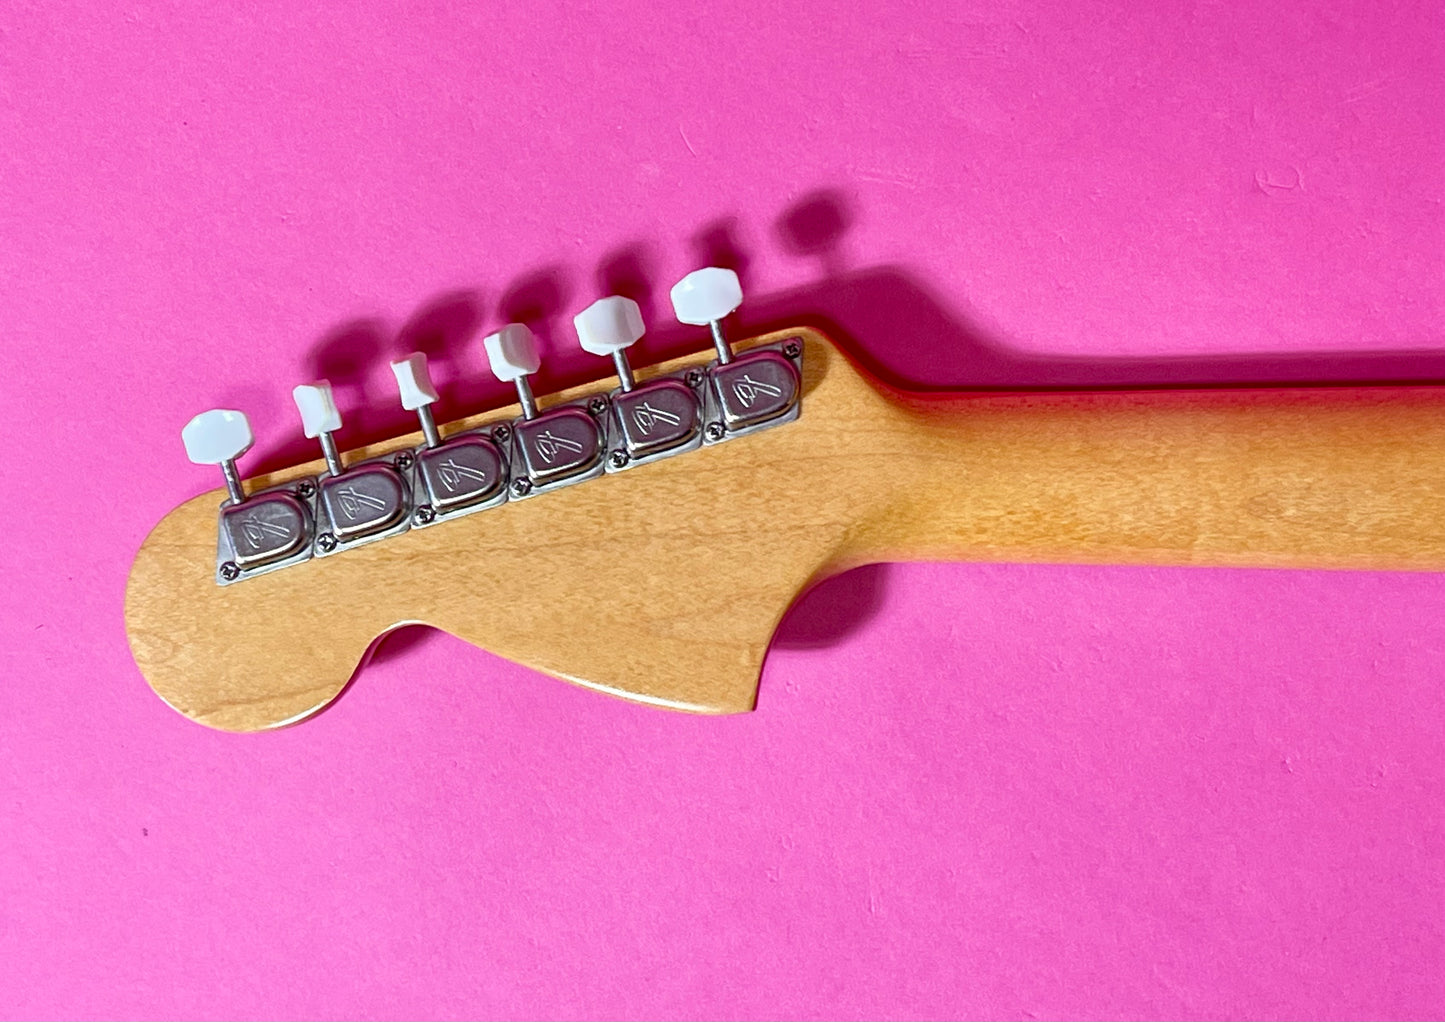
(664, 583)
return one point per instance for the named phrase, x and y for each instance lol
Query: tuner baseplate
(755, 391)
(562, 446)
(657, 419)
(368, 502)
(269, 530)
(465, 474)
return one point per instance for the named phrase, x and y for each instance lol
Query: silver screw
(693, 378)
(715, 431)
(792, 349)
(326, 542)
(500, 434)
(306, 490)
(403, 462)
(230, 571)
(597, 406)
(521, 487)
(619, 459)
(425, 515)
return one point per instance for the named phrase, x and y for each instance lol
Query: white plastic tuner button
(706, 296)
(609, 325)
(217, 436)
(317, 407)
(414, 380)
(512, 352)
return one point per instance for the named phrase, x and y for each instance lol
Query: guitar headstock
(641, 535)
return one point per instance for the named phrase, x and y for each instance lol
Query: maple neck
(1305, 478)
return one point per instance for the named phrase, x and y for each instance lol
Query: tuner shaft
(720, 342)
(331, 454)
(525, 396)
(429, 426)
(233, 481)
(624, 370)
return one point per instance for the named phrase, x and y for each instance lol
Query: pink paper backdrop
(968, 790)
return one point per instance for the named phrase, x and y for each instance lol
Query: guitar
(659, 574)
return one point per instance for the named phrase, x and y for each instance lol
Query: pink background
(967, 790)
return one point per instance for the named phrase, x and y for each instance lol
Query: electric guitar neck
(644, 534)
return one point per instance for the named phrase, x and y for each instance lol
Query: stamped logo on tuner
(364, 500)
(658, 416)
(265, 529)
(559, 444)
(463, 472)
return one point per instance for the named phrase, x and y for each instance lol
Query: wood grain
(664, 584)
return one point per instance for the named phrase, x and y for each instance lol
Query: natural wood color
(664, 584)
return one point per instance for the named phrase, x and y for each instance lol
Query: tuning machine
(652, 420)
(354, 504)
(756, 390)
(552, 448)
(454, 476)
(260, 532)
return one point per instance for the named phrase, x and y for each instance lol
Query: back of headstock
(656, 572)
